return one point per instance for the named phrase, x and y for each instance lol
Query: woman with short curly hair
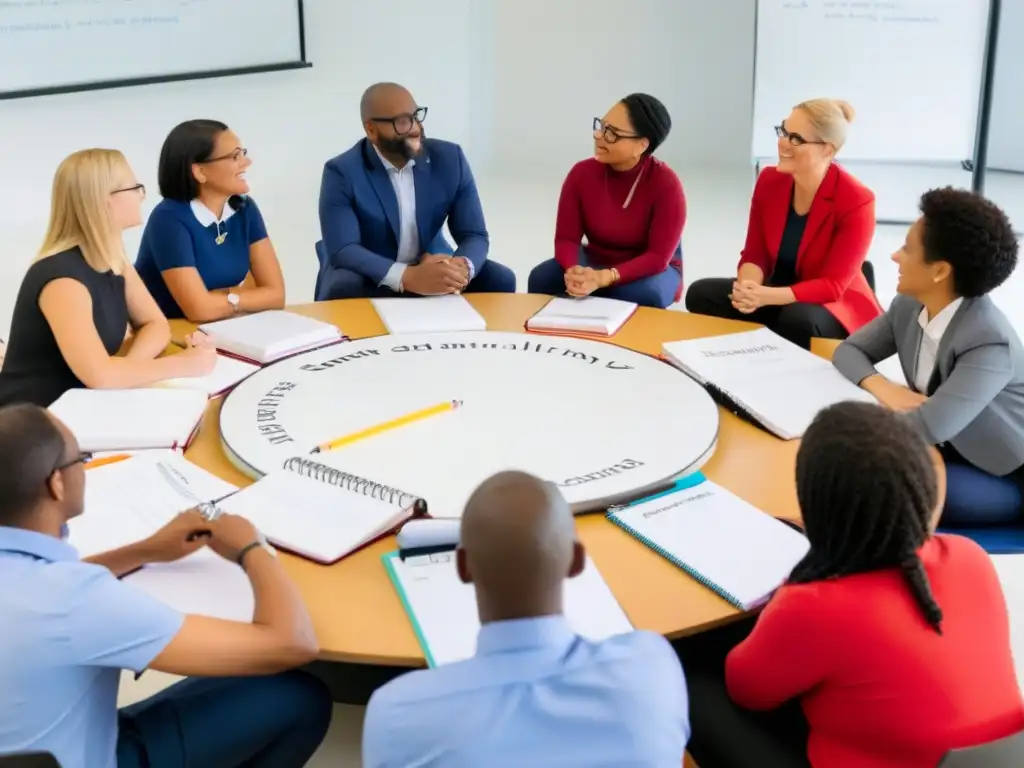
(962, 357)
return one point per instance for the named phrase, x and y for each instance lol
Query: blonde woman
(81, 294)
(811, 224)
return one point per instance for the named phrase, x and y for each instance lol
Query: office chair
(869, 274)
(1005, 753)
(29, 760)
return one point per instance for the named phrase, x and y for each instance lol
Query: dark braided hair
(973, 235)
(867, 490)
(650, 119)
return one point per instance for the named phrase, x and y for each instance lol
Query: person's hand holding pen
(183, 535)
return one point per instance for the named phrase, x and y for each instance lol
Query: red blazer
(840, 226)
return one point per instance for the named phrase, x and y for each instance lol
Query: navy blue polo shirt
(189, 235)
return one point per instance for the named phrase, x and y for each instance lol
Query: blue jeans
(257, 722)
(657, 291)
(976, 498)
(337, 283)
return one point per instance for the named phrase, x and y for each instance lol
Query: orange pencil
(104, 460)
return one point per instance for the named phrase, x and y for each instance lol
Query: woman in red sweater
(811, 224)
(630, 208)
(894, 642)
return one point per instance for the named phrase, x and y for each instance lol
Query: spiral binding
(324, 474)
(698, 577)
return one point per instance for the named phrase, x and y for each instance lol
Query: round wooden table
(356, 612)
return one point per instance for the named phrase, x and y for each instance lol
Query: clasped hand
(583, 281)
(437, 274)
(190, 531)
(747, 296)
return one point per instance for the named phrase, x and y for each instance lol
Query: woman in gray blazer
(964, 361)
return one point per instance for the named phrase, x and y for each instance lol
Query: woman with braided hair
(630, 209)
(894, 642)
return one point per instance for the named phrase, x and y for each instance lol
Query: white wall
(517, 89)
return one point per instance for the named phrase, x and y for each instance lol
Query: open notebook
(590, 315)
(429, 314)
(320, 512)
(443, 610)
(127, 419)
(765, 378)
(728, 545)
(226, 374)
(130, 500)
(265, 337)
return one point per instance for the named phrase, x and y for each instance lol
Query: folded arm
(340, 230)
(466, 220)
(569, 223)
(857, 356)
(667, 221)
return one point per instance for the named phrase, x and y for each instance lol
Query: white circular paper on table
(603, 423)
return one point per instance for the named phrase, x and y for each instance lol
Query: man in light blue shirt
(68, 627)
(536, 693)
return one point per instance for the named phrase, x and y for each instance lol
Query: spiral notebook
(764, 378)
(322, 513)
(731, 547)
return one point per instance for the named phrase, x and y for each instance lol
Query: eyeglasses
(139, 188)
(610, 134)
(794, 138)
(234, 157)
(82, 458)
(403, 123)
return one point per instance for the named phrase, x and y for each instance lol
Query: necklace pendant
(221, 238)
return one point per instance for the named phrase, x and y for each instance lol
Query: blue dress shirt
(536, 694)
(189, 235)
(67, 629)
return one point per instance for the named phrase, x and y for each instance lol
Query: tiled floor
(520, 218)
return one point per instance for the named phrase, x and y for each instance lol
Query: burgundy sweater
(639, 240)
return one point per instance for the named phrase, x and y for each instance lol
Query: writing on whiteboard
(876, 11)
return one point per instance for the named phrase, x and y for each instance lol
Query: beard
(400, 146)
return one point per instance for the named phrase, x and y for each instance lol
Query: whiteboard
(1005, 137)
(911, 68)
(67, 43)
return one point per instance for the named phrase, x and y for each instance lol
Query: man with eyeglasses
(384, 204)
(68, 627)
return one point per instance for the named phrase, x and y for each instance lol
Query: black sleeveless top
(34, 369)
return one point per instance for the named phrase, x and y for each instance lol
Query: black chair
(321, 258)
(29, 760)
(1005, 753)
(869, 274)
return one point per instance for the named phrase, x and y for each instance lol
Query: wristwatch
(233, 301)
(260, 542)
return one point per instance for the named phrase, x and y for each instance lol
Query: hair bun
(846, 108)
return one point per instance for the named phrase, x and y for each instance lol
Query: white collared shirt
(408, 235)
(208, 218)
(932, 331)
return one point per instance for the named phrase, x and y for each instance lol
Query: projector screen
(57, 46)
(912, 69)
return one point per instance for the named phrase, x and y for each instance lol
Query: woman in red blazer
(811, 224)
(888, 646)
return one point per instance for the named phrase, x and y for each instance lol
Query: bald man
(384, 204)
(536, 693)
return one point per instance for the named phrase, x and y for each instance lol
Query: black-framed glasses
(794, 138)
(82, 458)
(610, 134)
(405, 122)
(139, 188)
(234, 157)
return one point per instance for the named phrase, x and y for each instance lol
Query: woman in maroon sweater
(630, 208)
(894, 643)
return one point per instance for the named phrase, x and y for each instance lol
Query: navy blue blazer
(359, 220)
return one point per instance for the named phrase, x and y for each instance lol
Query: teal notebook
(443, 613)
(731, 547)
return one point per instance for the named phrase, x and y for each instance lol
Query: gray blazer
(976, 393)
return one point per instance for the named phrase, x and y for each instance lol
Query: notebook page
(125, 419)
(729, 542)
(269, 335)
(132, 499)
(318, 520)
(591, 313)
(429, 314)
(203, 583)
(226, 373)
(445, 609)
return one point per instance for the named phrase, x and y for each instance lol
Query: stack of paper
(429, 314)
(730, 546)
(131, 419)
(768, 378)
(589, 315)
(265, 337)
(226, 374)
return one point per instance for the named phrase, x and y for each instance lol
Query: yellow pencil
(401, 421)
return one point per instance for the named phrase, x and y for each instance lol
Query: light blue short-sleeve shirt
(67, 629)
(536, 694)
